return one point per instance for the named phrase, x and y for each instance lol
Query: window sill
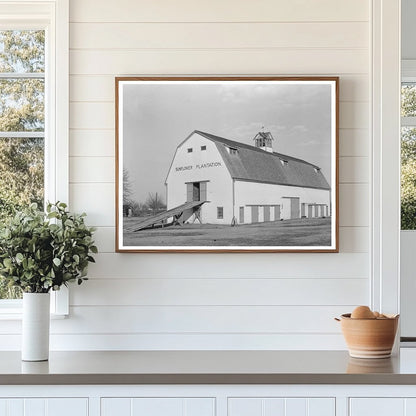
(11, 309)
(17, 316)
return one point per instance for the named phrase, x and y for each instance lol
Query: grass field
(299, 232)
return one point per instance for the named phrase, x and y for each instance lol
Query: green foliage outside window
(408, 179)
(21, 110)
(408, 160)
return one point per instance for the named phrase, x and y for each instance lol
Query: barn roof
(250, 163)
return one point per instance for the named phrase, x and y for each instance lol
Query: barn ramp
(177, 213)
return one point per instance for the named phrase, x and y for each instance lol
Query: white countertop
(208, 367)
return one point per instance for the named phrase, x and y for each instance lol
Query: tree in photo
(155, 202)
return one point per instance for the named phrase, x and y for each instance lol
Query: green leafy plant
(43, 251)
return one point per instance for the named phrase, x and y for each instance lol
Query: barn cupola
(263, 140)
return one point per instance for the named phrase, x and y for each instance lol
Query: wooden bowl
(369, 338)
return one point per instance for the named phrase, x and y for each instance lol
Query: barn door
(189, 192)
(277, 212)
(196, 194)
(203, 191)
(266, 213)
(255, 213)
(294, 208)
(241, 215)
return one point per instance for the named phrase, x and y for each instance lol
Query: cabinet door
(393, 406)
(44, 407)
(272, 406)
(154, 406)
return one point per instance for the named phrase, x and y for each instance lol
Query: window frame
(53, 17)
(408, 76)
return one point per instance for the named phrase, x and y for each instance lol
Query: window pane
(22, 109)
(9, 292)
(21, 173)
(22, 51)
(21, 182)
(408, 178)
(22, 105)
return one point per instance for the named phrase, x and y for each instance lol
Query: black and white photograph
(233, 164)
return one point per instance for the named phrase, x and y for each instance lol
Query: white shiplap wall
(165, 301)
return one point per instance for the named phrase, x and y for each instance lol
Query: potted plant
(40, 252)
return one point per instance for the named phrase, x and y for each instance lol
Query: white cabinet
(157, 406)
(281, 406)
(383, 406)
(44, 407)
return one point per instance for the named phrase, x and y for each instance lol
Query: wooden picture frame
(227, 164)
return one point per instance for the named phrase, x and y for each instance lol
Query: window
(203, 148)
(408, 155)
(190, 150)
(33, 112)
(220, 213)
(233, 151)
(22, 124)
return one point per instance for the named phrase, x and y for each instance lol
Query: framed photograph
(227, 164)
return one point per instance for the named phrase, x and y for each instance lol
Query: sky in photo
(158, 117)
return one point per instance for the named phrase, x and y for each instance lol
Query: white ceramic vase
(35, 326)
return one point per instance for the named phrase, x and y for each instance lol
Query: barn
(216, 180)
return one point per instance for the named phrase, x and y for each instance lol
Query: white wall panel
(3, 407)
(294, 61)
(281, 407)
(296, 407)
(321, 407)
(185, 341)
(220, 35)
(157, 406)
(354, 142)
(354, 239)
(99, 88)
(116, 407)
(91, 88)
(104, 238)
(354, 115)
(91, 169)
(342, 265)
(44, 407)
(96, 143)
(377, 407)
(218, 291)
(354, 170)
(353, 205)
(201, 319)
(218, 11)
(35, 407)
(96, 199)
(258, 301)
(67, 407)
(91, 115)
(354, 87)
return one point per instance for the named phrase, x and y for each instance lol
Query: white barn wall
(218, 301)
(218, 177)
(252, 193)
